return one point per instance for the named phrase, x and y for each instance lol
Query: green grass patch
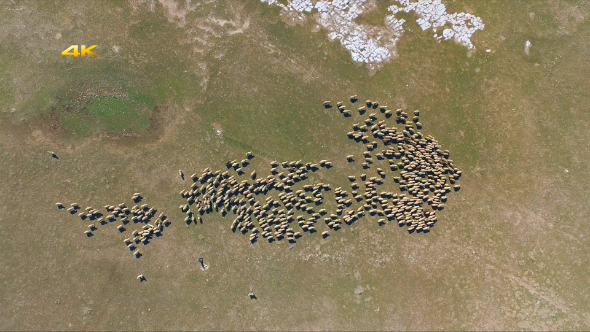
(115, 115)
(118, 115)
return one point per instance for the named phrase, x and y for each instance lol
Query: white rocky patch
(375, 44)
(433, 14)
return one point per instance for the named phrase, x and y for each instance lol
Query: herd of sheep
(423, 176)
(411, 178)
(151, 226)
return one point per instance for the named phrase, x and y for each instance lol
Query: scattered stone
(527, 47)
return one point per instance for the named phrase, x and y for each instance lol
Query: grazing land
(189, 85)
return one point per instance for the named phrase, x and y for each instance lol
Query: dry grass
(508, 251)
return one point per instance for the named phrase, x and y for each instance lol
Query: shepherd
(203, 266)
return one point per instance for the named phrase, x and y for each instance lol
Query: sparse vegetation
(225, 77)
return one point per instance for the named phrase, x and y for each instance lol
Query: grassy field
(189, 89)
